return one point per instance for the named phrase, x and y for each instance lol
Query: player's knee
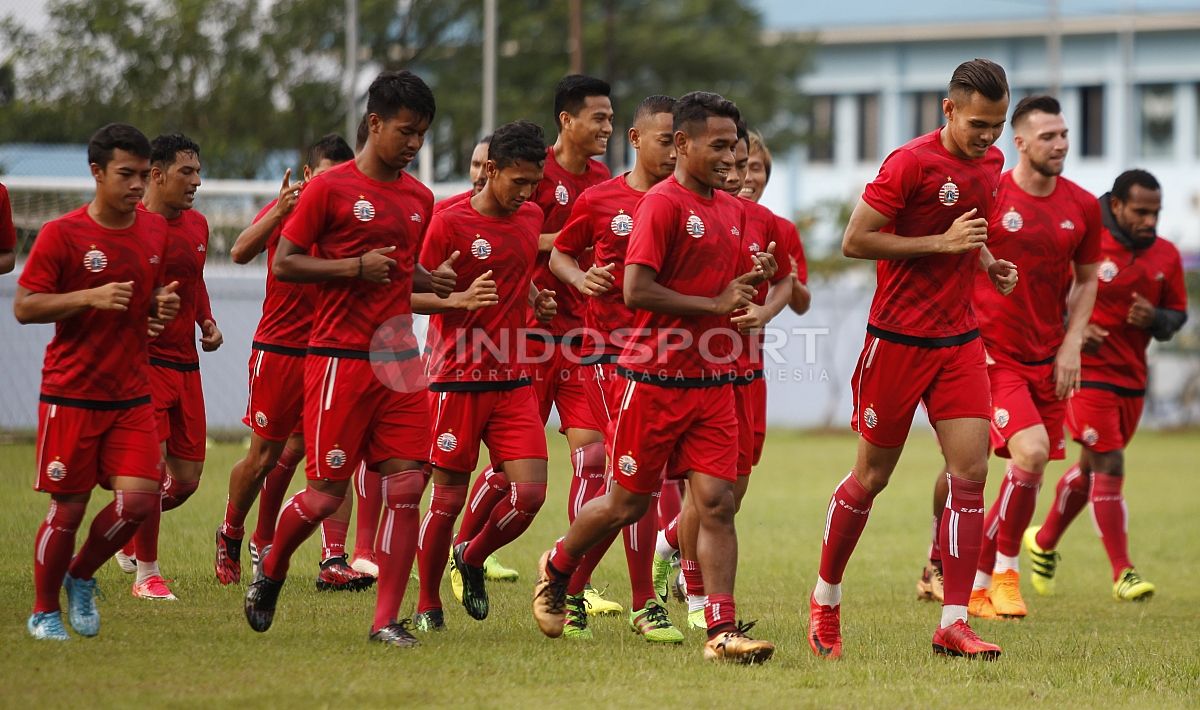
(136, 506)
(1111, 463)
(527, 498)
(403, 490)
(175, 491)
(717, 508)
(873, 480)
(591, 459)
(975, 470)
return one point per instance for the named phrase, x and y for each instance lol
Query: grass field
(1079, 649)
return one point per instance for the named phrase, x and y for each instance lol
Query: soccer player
(598, 231)
(276, 385)
(8, 234)
(677, 409)
(1141, 295)
(758, 174)
(174, 364)
(923, 219)
(480, 389)
(97, 274)
(355, 233)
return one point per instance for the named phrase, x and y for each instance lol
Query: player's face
(591, 128)
(1042, 142)
(398, 138)
(177, 185)
(709, 155)
(756, 177)
(477, 173)
(121, 184)
(654, 142)
(737, 176)
(974, 122)
(513, 184)
(1138, 216)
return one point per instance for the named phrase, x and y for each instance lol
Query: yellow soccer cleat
(1043, 563)
(1130, 587)
(1005, 595)
(598, 605)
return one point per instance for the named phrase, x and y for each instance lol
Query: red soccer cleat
(228, 562)
(825, 629)
(958, 639)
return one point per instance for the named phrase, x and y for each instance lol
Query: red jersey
(187, 247)
(98, 358)
(602, 220)
(480, 350)
(556, 195)
(8, 232)
(922, 188)
(792, 247)
(1044, 237)
(761, 228)
(1155, 273)
(343, 214)
(695, 246)
(287, 310)
(453, 200)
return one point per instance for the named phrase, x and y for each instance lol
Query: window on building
(820, 129)
(867, 106)
(927, 112)
(1091, 122)
(1157, 121)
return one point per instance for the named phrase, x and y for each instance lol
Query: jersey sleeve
(654, 223)
(1174, 295)
(43, 268)
(435, 245)
(1088, 249)
(576, 236)
(892, 188)
(307, 220)
(791, 248)
(8, 231)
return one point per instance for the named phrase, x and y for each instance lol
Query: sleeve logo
(948, 195)
(95, 260)
(364, 211)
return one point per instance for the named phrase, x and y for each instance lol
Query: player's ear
(681, 143)
(490, 169)
(635, 138)
(948, 108)
(307, 173)
(97, 171)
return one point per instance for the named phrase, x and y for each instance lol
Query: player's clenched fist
(482, 293)
(375, 265)
(737, 294)
(1003, 275)
(765, 264)
(443, 278)
(544, 306)
(166, 302)
(597, 280)
(112, 297)
(965, 234)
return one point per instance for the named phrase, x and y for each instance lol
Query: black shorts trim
(172, 365)
(917, 341)
(373, 356)
(478, 386)
(681, 382)
(98, 405)
(1048, 361)
(599, 359)
(279, 349)
(746, 378)
(1115, 389)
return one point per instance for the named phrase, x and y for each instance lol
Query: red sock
(175, 492)
(844, 523)
(588, 564)
(270, 498)
(369, 489)
(333, 538)
(1016, 511)
(234, 525)
(1070, 497)
(300, 517)
(670, 502)
(52, 549)
(508, 520)
(398, 542)
(935, 549)
(490, 488)
(1108, 510)
(720, 613)
(961, 534)
(111, 528)
(145, 539)
(563, 563)
(693, 580)
(588, 481)
(639, 555)
(672, 531)
(433, 541)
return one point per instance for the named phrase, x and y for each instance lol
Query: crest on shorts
(627, 465)
(447, 442)
(1012, 220)
(56, 471)
(561, 196)
(335, 458)
(260, 419)
(870, 418)
(1000, 417)
(622, 224)
(1090, 436)
(95, 260)
(948, 194)
(364, 211)
(1108, 271)
(481, 248)
(694, 226)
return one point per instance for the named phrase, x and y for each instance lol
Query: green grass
(1078, 649)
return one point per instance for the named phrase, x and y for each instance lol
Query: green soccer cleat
(654, 624)
(1043, 563)
(598, 605)
(663, 571)
(696, 620)
(576, 624)
(1130, 587)
(493, 571)
(456, 585)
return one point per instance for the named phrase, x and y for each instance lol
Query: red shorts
(758, 404)
(179, 408)
(604, 388)
(353, 417)
(275, 408)
(79, 448)
(507, 421)
(747, 417)
(892, 378)
(1103, 421)
(681, 428)
(560, 381)
(1022, 397)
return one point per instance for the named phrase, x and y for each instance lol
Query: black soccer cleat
(396, 634)
(261, 598)
(475, 598)
(432, 620)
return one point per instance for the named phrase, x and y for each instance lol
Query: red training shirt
(187, 247)
(8, 232)
(287, 310)
(761, 228)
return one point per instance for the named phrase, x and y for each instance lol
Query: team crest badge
(561, 196)
(621, 225)
(627, 465)
(447, 442)
(1001, 417)
(56, 471)
(1012, 220)
(1107, 271)
(95, 260)
(948, 195)
(481, 249)
(1090, 436)
(695, 226)
(335, 458)
(260, 419)
(364, 211)
(870, 418)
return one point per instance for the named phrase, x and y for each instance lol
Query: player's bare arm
(8, 260)
(642, 290)
(546, 241)
(593, 282)
(293, 263)
(1079, 312)
(440, 282)
(30, 307)
(864, 240)
(253, 239)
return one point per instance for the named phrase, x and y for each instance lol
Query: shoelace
(825, 626)
(1131, 578)
(558, 597)
(658, 617)
(741, 627)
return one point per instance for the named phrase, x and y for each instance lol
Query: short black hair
(394, 91)
(116, 136)
(1124, 183)
(743, 134)
(573, 91)
(329, 147)
(1037, 102)
(360, 135)
(655, 103)
(980, 76)
(519, 140)
(698, 106)
(166, 148)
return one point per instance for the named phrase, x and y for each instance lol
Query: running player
(97, 274)
(758, 174)
(8, 234)
(923, 219)
(677, 409)
(1141, 295)
(355, 233)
